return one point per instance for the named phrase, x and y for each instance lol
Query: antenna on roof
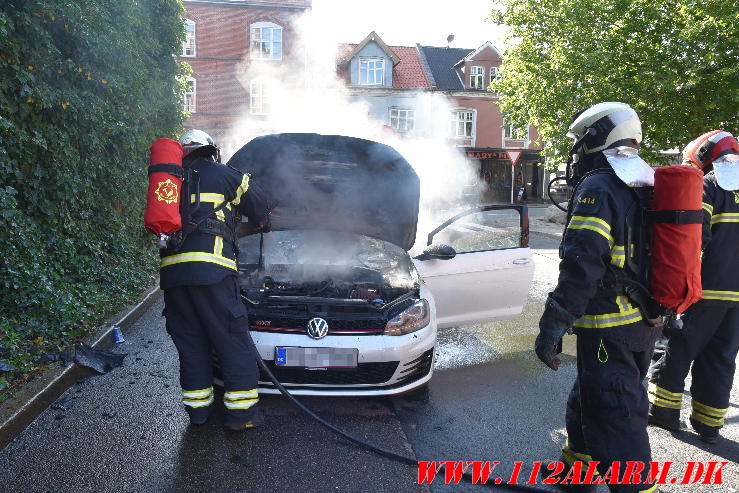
(449, 40)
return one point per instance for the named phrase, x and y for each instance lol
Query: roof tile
(407, 74)
(441, 63)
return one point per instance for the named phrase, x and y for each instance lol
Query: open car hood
(335, 183)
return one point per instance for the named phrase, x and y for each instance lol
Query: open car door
(490, 276)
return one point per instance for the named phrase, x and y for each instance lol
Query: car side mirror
(438, 251)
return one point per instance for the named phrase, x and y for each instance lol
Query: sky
(407, 22)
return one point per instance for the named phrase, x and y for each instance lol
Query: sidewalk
(539, 225)
(543, 227)
(26, 403)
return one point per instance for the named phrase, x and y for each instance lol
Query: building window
(402, 120)
(266, 41)
(477, 76)
(259, 97)
(189, 100)
(371, 71)
(493, 73)
(463, 123)
(516, 132)
(188, 46)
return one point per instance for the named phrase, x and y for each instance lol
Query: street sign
(513, 156)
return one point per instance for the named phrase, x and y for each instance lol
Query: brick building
(389, 79)
(477, 125)
(393, 80)
(230, 45)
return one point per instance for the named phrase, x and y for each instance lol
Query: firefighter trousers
(207, 319)
(710, 341)
(607, 408)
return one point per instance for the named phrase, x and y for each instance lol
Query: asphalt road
(489, 399)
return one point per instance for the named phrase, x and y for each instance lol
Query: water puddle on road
(497, 341)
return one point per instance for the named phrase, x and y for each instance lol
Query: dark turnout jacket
(597, 241)
(206, 258)
(720, 268)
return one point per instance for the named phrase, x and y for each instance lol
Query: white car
(337, 306)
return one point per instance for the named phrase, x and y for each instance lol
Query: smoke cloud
(308, 96)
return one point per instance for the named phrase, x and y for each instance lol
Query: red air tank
(675, 279)
(162, 213)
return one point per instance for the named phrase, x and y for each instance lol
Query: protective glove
(554, 323)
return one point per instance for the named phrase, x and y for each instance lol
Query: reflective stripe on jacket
(720, 239)
(595, 249)
(206, 258)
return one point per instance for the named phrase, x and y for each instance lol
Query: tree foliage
(676, 62)
(85, 87)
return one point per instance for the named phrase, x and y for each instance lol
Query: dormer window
(371, 71)
(477, 74)
(266, 41)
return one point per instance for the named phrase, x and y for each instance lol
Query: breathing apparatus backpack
(162, 214)
(663, 247)
(168, 216)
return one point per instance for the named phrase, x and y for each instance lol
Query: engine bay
(328, 265)
(357, 287)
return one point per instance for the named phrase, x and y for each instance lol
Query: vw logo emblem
(317, 328)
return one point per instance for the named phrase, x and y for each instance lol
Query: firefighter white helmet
(195, 139)
(605, 124)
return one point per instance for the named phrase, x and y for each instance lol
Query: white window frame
(470, 116)
(189, 42)
(189, 99)
(477, 77)
(493, 73)
(260, 96)
(512, 132)
(256, 46)
(403, 119)
(374, 65)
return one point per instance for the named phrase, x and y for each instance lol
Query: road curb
(45, 388)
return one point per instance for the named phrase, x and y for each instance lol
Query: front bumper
(386, 364)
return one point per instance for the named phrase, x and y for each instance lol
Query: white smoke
(308, 96)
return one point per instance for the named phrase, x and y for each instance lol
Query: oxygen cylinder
(162, 214)
(675, 277)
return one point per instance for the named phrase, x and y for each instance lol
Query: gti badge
(317, 328)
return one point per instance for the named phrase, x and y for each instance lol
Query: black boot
(708, 434)
(199, 416)
(669, 419)
(256, 421)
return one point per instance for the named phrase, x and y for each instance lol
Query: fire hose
(366, 445)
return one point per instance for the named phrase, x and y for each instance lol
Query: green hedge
(85, 87)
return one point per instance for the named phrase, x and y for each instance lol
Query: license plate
(316, 357)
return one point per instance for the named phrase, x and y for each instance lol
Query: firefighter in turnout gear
(709, 338)
(606, 414)
(203, 306)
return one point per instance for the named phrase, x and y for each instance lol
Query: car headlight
(411, 319)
